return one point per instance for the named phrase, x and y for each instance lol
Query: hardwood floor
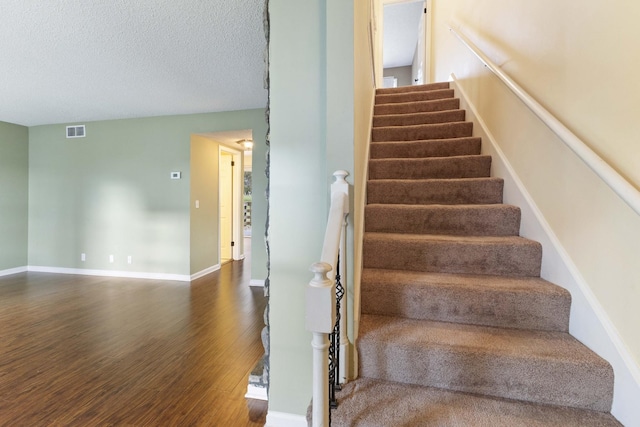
(91, 351)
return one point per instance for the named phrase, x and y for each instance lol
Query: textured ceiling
(400, 27)
(79, 60)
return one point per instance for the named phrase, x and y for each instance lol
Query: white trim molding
(283, 419)
(204, 272)
(10, 271)
(255, 282)
(589, 321)
(111, 273)
(255, 392)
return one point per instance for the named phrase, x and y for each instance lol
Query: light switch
(197, 204)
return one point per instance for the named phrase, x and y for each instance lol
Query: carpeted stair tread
(457, 327)
(501, 301)
(417, 107)
(374, 403)
(476, 166)
(464, 146)
(495, 255)
(413, 88)
(475, 220)
(414, 96)
(420, 132)
(536, 366)
(435, 191)
(419, 118)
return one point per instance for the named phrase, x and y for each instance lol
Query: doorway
(406, 42)
(226, 206)
(230, 200)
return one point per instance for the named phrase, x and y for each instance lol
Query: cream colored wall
(14, 194)
(364, 94)
(377, 33)
(577, 61)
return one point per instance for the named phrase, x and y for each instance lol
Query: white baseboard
(254, 392)
(589, 321)
(206, 271)
(111, 273)
(10, 271)
(282, 419)
(255, 282)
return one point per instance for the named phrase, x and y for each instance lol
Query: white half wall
(282, 419)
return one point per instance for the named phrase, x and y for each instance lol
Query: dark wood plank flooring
(92, 351)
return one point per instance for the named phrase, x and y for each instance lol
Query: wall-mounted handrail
(623, 188)
(326, 306)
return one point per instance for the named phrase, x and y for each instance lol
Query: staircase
(457, 327)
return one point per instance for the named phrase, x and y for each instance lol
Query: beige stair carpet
(457, 327)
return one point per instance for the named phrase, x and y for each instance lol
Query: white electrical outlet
(197, 204)
(83, 257)
(176, 175)
(129, 259)
(111, 259)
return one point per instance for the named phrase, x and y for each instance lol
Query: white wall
(577, 60)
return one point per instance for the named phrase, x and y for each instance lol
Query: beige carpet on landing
(457, 327)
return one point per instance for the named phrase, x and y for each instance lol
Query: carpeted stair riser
(435, 191)
(413, 88)
(508, 302)
(394, 98)
(456, 220)
(425, 148)
(434, 167)
(452, 254)
(419, 132)
(393, 404)
(444, 104)
(418, 118)
(536, 366)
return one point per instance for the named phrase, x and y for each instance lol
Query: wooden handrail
(623, 188)
(339, 208)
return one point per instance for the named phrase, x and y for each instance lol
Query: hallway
(88, 351)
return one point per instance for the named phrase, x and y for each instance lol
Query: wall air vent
(76, 131)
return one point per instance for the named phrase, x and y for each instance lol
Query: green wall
(14, 178)
(204, 188)
(259, 199)
(111, 192)
(311, 106)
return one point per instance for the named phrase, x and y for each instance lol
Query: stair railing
(623, 188)
(326, 307)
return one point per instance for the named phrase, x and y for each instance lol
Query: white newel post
(320, 320)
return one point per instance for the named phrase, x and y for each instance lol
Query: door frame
(237, 235)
